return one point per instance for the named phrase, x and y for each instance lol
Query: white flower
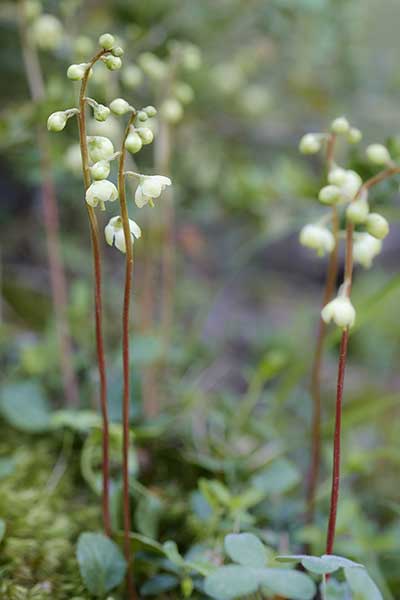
(365, 248)
(100, 192)
(106, 41)
(146, 135)
(47, 32)
(341, 311)
(378, 154)
(100, 148)
(350, 186)
(310, 144)
(317, 237)
(114, 233)
(77, 72)
(150, 187)
(377, 226)
(330, 194)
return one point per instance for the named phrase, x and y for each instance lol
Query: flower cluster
(346, 192)
(100, 149)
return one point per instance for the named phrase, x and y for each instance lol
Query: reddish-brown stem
(94, 233)
(50, 217)
(126, 365)
(330, 282)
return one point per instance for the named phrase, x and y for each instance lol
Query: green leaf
(278, 478)
(230, 581)
(361, 584)
(172, 553)
(159, 584)
(77, 420)
(245, 549)
(290, 584)
(147, 515)
(101, 563)
(338, 561)
(25, 407)
(328, 563)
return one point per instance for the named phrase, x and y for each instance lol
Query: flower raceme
(114, 233)
(149, 188)
(340, 311)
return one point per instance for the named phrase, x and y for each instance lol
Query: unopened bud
(310, 144)
(378, 154)
(106, 41)
(133, 142)
(377, 226)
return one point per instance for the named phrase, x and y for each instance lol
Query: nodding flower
(341, 311)
(114, 233)
(100, 192)
(149, 188)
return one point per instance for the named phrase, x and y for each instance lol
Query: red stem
(94, 233)
(126, 365)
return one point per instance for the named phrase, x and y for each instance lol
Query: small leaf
(101, 563)
(361, 584)
(159, 584)
(327, 563)
(278, 478)
(245, 549)
(172, 553)
(284, 582)
(339, 561)
(25, 407)
(77, 420)
(230, 581)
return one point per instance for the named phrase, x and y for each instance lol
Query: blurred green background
(229, 379)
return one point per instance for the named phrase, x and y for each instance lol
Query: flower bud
(131, 76)
(47, 32)
(150, 110)
(100, 192)
(341, 311)
(351, 184)
(106, 41)
(378, 154)
(57, 121)
(377, 226)
(100, 148)
(118, 51)
(145, 134)
(330, 194)
(142, 115)
(153, 66)
(183, 92)
(133, 142)
(354, 135)
(120, 107)
(357, 211)
(76, 72)
(171, 110)
(101, 112)
(317, 237)
(337, 176)
(365, 248)
(113, 63)
(309, 144)
(100, 170)
(340, 125)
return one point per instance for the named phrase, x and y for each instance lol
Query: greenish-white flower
(340, 311)
(340, 125)
(145, 134)
(120, 107)
(100, 148)
(114, 233)
(310, 144)
(101, 112)
(100, 170)
(77, 72)
(330, 194)
(358, 210)
(113, 63)
(365, 248)
(378, 154)
(106, 41)
(101, 192)
(354, 135)
(133, 142)
(149, 188)
(318, 238)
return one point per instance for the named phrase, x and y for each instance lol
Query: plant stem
(94, 232)
(317, 360)
(50, 216)
(125, 360)
(348, 280)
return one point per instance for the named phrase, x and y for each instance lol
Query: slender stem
(50, 216)
(317, 360)
(125, 361)
(94, 232)
(348, 280)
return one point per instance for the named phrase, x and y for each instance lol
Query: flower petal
(140, 198)
(135, 229)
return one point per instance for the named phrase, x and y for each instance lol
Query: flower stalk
(94, 233)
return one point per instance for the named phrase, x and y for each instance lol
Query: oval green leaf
(101, 563)
(230, 581)
(245, 549)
